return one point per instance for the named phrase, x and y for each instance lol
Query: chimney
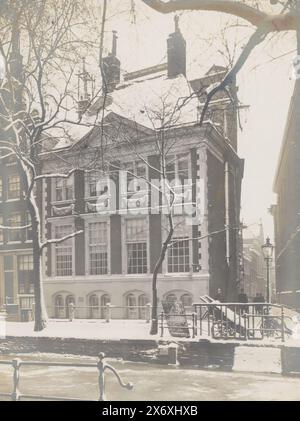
(111, 72)
(176, 52)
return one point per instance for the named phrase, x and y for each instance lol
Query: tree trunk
(154, 315)
(40, 313)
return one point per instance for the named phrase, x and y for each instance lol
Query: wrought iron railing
(101, 365)
(186, 326)
(249, 321)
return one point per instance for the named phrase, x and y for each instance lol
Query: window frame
(87, 222)
(66, 222)
(26, 283)
(64, 181)
(17, 232)
(125, 243)
(18, 183)
(188, 237)
(102, 176)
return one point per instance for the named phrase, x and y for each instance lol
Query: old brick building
(113, 259)
(16, 259)
(287, 210)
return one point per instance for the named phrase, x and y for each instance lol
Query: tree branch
(60, 240)
(271, 23)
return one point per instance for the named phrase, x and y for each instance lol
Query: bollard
(15, 396)
(148, 313)
(32, 311)
(173, 354)
(71, 312)
(108, 312)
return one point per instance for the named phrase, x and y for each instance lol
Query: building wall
(286, 212)
(12, 297)
(208, 267)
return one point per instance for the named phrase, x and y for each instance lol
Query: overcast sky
(265, 84)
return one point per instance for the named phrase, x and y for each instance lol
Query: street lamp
(267, 250)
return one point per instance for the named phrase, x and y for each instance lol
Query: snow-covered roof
(155, 100)
(146, 97)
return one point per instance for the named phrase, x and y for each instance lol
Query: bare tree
(264, 22)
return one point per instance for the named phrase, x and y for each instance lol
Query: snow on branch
(23, 227)
(55, 175)
(60, 240)
(270, 22)
(207, 235)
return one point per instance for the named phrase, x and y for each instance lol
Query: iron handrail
(232, 320)
(164, 323)
(101, 365)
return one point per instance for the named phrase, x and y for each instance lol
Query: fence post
(101, 367)
(108, 311)
(33, 311)
(282, 325)
(148, 313)
(16, 366)
(71, 312)
(195, 322)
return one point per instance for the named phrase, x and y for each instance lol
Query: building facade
(16, 258)
(254, 280)
(121, 224)
(286, 211)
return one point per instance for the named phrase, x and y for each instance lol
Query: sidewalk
(85, 329)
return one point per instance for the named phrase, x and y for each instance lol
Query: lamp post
(267, 250)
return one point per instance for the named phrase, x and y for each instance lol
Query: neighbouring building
(113, 258)
(16, 258)
(286, 212)
(253, 279)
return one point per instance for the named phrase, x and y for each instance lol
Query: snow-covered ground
(115, 330)
(84, 329)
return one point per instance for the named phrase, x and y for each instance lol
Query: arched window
(171, 298)
(69, 299)
(94, 306)
(105, 299)
(132, 310)
(59, 307)
(143, 301)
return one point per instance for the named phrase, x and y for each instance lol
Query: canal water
(151, 382)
